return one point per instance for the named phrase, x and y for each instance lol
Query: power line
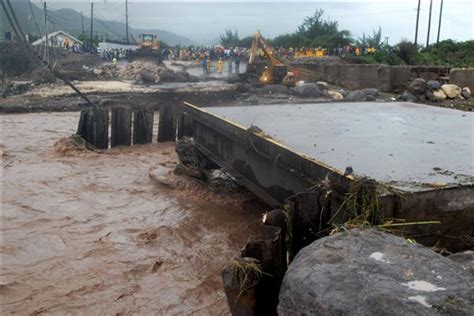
(12, 19)
(34, 17)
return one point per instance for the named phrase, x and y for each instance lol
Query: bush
(407, 51)
(15, 60)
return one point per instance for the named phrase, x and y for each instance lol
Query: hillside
(69, 21)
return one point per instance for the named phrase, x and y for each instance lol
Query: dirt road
(92, 234)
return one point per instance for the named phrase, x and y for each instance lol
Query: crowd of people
(288, 53)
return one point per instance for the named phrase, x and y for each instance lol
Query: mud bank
(91, 233)
(153, 100)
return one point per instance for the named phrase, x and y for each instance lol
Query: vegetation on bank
(315, 31)
(447, 53)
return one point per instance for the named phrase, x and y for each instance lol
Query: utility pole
(126, 21)
(439, 24)
(417, 20)
(429, 24)
(82, 23)
(92, 22)
(46, 32)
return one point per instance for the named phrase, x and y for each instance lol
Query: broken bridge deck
(426, 153)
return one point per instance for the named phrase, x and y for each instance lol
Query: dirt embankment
(88, 232)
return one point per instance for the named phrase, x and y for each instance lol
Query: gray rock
(182, 76)
(465, 259)
(307, 90)
(370, 97)
(430, 95)
(322, 85)
(275, 88)
(408, 96)
(368, 272)
(147, 77)
(167, 75)
(220, 181)
(371, 91)
(418, 87)
(357, 95)
(434, 85)
(344, 92)
(466, 93)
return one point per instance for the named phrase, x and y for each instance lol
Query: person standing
(220, 65)
(237, 64)
(208, 63)
(229, 65)
(204, 65)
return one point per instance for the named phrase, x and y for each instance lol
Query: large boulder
(452, 91)
(147, 76)
(439, 94)
(307, 90)
(335, 95)
(434, 85)
(182, 76)
(368, 272)
(418, 87)
(408, 96)
(167, 75)
(465, 259)
(322, 85)
(370, 92)
(357, 95)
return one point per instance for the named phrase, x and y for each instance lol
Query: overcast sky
(204, 21)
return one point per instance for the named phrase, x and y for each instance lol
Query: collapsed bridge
(307, 159)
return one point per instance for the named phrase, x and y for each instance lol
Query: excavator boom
(276, 71)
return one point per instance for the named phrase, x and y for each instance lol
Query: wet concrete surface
(91, 234)
(410, 146)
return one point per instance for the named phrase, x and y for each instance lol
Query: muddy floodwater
(90, 233)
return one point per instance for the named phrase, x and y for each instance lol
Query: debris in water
(68, 146)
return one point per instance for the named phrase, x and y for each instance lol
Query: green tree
(246, 42)
(229, 38)
(371, 41)
(315, 32)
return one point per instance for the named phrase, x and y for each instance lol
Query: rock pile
(144, 72)
(367, 272)
(433, 90)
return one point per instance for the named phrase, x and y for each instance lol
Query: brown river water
(91, 233)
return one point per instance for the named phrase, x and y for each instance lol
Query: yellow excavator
(148, 49)
(274, 70)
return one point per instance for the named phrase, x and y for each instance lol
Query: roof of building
(43, 39)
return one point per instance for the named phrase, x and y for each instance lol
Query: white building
(58, 39)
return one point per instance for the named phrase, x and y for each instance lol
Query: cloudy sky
(204, 21)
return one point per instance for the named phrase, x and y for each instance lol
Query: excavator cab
(275, 71)
(148, 49)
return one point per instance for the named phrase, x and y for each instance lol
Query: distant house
(58, 39)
